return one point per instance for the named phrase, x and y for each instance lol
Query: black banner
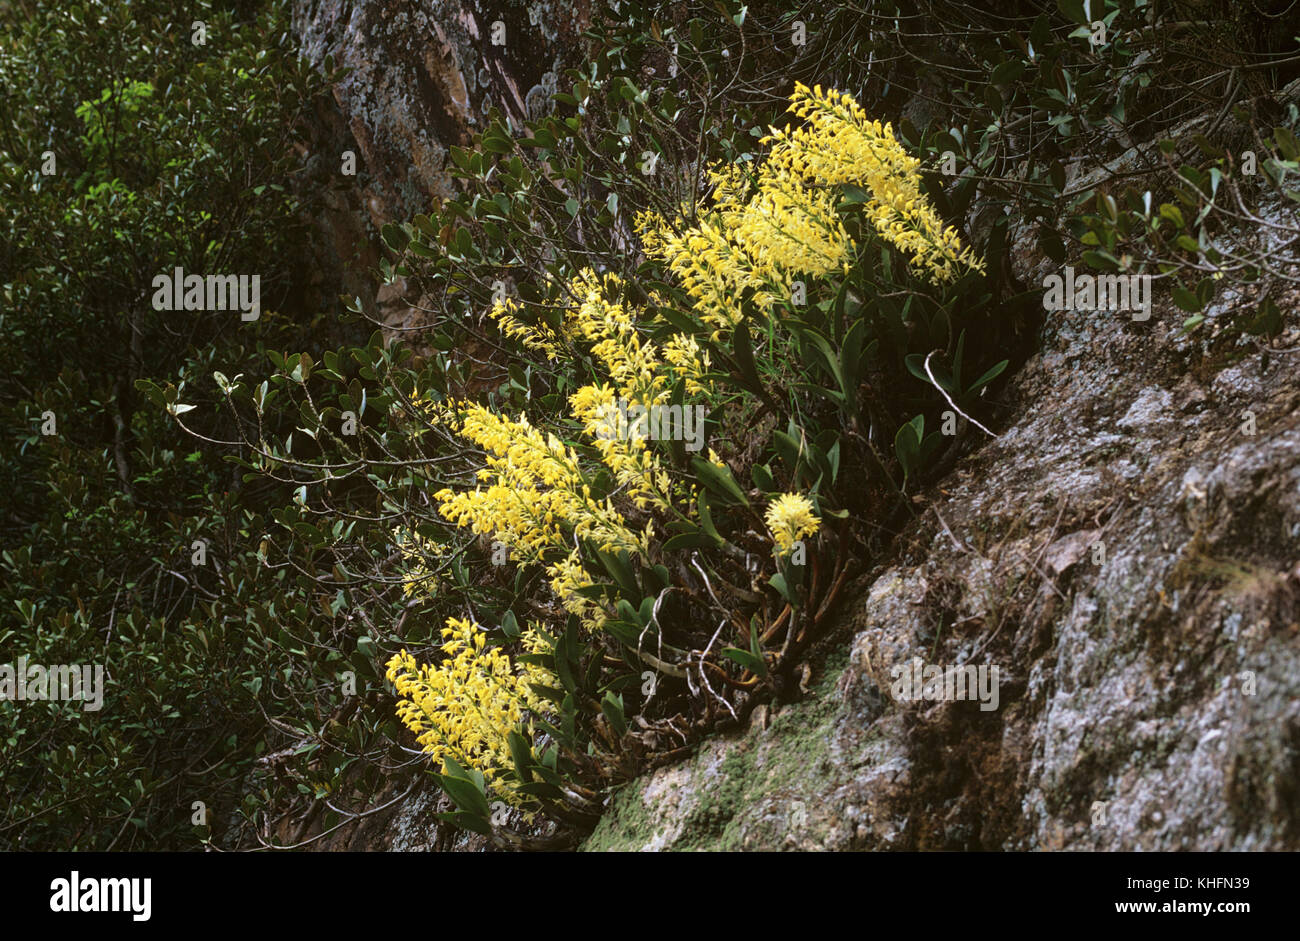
(385, 891)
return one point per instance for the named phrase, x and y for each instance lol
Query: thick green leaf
(696, 540)
(466, 821)
(522, 754)
(466, 794)
(743, 352)
(612, 707)
(1186, 300)
(993, 372)
(394, 237)
(907, 446)
(778, 582)
(746, 659)
(720, 481)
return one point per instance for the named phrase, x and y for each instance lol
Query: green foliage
(164, 154)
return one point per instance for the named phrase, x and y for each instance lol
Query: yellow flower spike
(467, 705)
(790, 518)
(790, 224)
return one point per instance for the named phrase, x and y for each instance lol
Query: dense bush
(129, 149)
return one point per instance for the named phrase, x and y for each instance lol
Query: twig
(659, 633)
(705, 679)
(957, 543)
(949, 399)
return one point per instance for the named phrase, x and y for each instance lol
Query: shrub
(162, 154)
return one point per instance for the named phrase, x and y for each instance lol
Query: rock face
(1127, 553)
(424, 76)
(406, 822)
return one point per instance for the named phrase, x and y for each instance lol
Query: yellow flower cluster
(535, 497)
(640, 376)
(788, 227)
(465, 706)
(749, 243)
(633, 366)
(418, 552)
(841, 145)
(536, 493)
(538, 337)
(790, 518)
(711, 265)
(764, 229)
(690, 362)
